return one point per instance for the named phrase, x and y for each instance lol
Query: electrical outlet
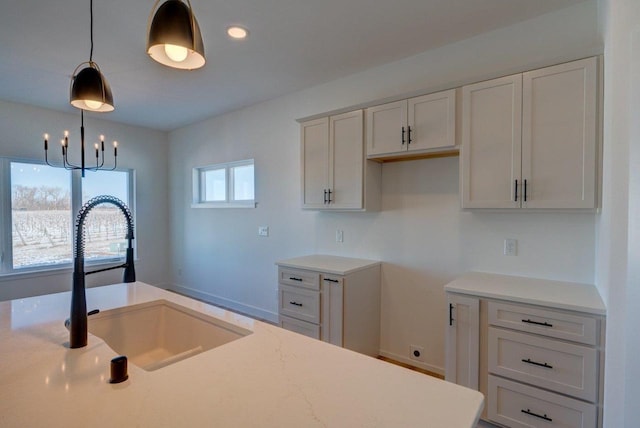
(510, 247)
(416, 353)
(339, 236)
(263, 230)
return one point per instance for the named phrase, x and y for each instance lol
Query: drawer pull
(545, 417)
(535, 363)
(331, 280)
(293, 278)
(544, 324)
(295, 303)
(450, 313)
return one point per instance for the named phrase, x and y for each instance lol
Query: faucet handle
(67, 322)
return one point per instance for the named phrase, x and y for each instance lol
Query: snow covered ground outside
(45, 237)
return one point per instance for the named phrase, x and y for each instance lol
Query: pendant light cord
(91, 21)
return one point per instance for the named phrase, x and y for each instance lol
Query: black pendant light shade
(173, 36)
(90, 90)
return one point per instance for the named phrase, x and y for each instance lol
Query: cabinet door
(559, 133)
(346, 166)
(386, 128)
(463, 341)
(432, 121)
(491, 143)
(332, 309)
(315, 162)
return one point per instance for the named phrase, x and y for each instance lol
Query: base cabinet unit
(417, 125)
(463, 340)
(534, 348)
(333, 299)
(335, 174)
(530, 140)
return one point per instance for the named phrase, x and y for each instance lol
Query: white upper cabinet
(335, 175)
(315, 161)
(418, 125)
(530, 140)
(491, 143)
(559, 123)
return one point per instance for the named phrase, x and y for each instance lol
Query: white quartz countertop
(330, 264)
(556, 294)
(270, 378)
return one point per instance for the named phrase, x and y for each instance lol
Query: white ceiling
(293, 44)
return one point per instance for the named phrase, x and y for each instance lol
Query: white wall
(142, 149)
(618, 248)
(421, 234)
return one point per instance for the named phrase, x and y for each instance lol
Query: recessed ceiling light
(236, 32)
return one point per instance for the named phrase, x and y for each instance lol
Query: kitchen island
(269, 378)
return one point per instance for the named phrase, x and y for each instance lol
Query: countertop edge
(573, 296)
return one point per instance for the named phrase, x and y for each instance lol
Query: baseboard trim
(424, 366)
(232, 305)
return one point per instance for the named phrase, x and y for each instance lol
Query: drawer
(299, 278)
(562, 367)
(302, 327)
(521, 406)
(299, 303)
(546, 322)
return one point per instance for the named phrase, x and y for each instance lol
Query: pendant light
(89, 90)
(173, 36)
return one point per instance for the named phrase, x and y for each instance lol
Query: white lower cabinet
(334, 299)
(539, 365)
(517, 405)
(463, 336)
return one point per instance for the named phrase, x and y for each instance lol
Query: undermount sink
(156, 334)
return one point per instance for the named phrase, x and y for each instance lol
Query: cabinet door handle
(331, 280)
(329, 199)
(529, 412)
(525, 191)
(535, 363)
(450, 313)
(324, 201)
(295, 303)
(544, 324)
(293, 278)
(403, 135)
(515, 191)
(408, 135)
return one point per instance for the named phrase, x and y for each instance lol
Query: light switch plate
(339, 236)
(510, 247)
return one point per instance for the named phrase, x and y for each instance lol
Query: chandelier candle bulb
(46, 142)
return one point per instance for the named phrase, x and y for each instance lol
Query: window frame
(6, 242)
(199, 186)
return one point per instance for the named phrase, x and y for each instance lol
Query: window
(105, 226)
(40, 215)
(226, 185)
(39, 220)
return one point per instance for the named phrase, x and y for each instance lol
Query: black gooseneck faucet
(78, 320)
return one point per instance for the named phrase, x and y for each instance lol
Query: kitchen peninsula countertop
(270, 378)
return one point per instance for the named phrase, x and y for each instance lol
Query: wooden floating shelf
(402, 158)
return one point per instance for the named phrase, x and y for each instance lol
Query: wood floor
(410, 367)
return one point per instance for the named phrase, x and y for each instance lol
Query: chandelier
(88, 90)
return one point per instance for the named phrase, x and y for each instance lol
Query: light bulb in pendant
(176, 53)
(93, 105)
